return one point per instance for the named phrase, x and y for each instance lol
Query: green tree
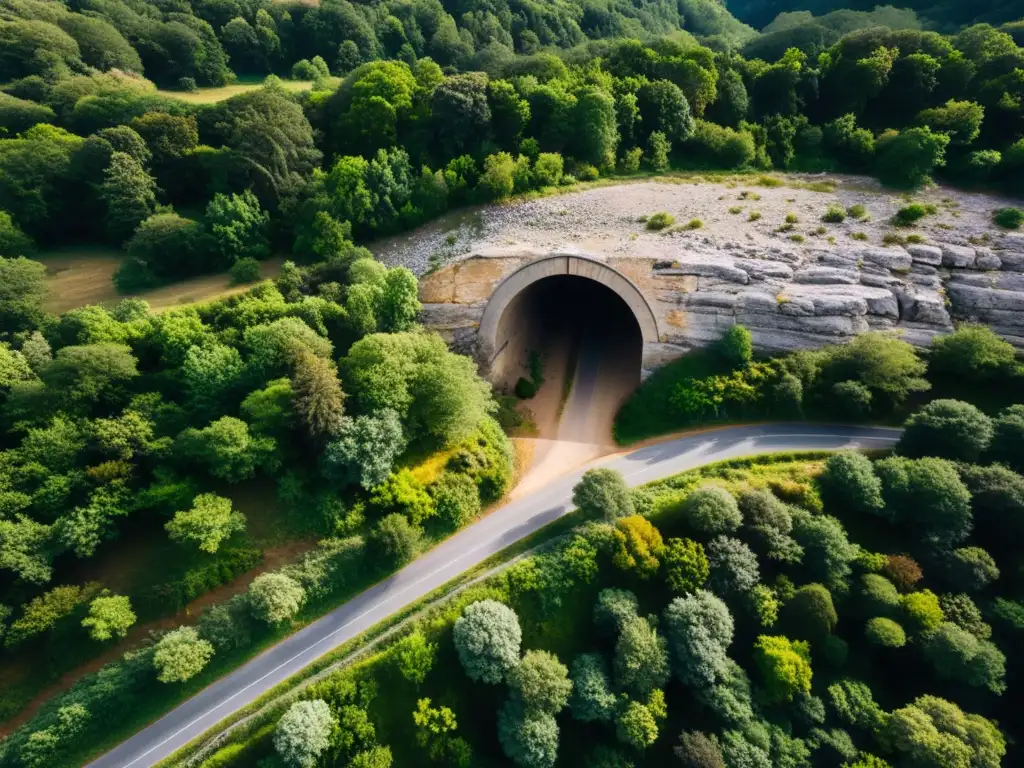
(414, 657)
(810, 613)
(849, 482)
(365, 449)
(908, 158)
(960, 120)
(596, 125)
(710, 509)
(686, 565)
(225, 449)
(922, 610)
(375, 757)
(109, 616)
(699, 629)
(529, 740)
(22, 291)
(436, 392)
(828, 552)
(641, 662)
(592, 699)
(883, 364)
(957, 654)
(736, 347)
(658, 148)
(696, 750)
(885, 632)
(207, 524)
(129, 193)
(239, 227)
(317, 398)
(304, 733)
(275, 597)
(638, 546)
(950, 429)
(636, 726)
(487, 637)
(13, 242)
(771, 523)
(603, 493)
(540, 682)
(1007, 443)
(433, 726)
(180, 655)
(83, 375)
(785, 666)
(932, 731)
(929, 495)
(972, 569)
(734, 567)
(42, 613)
(614, 607)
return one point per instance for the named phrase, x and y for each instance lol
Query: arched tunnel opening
(584, 333)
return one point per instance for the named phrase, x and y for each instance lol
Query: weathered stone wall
(788, 299)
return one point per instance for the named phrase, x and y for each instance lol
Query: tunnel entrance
(587, 336)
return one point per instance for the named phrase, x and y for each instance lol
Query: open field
(83, 275)
(213, 95)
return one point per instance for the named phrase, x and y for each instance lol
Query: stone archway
(497, 354)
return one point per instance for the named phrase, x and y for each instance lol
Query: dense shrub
(1008, 218)
(711, 510)
(885, 633)
(950, 429)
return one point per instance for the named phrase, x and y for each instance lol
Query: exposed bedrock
(788, 299)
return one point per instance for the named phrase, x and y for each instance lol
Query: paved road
(467, 548)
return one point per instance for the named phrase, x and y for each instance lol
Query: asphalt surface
(465, 549)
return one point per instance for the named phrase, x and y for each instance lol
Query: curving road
(498, 530)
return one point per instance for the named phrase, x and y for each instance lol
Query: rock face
(789, 300)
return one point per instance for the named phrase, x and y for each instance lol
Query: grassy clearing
(242, 85)
(84, 275)
(125, 566)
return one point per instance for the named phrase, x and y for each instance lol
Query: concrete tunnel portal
(583, 318)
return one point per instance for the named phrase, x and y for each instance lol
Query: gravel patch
(607, 221)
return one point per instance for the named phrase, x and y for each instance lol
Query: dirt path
(580, 430)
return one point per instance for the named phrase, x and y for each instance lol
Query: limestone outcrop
(788, 299)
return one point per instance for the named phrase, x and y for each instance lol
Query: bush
(660, 220)
(548, 169)
(658, 149)
(275, 598)
(719, 147)
(245, 270)
(631, 160)
(885, 633)
(393, 541)
(525, 388)
(456, 499)
(586, 172)
(736, 346)
(908, 158)
(834, 214)
(910, 214)
(303, 69)
(857, 211)
(180, 655)
(971, 353)
(1007, 445)
(1008, 218)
